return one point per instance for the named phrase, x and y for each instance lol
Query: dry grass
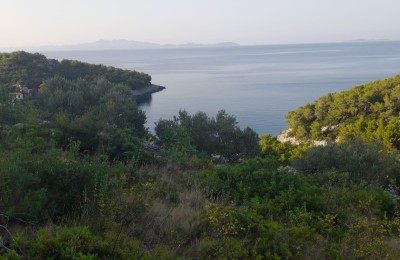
(173, 223)
(393, 245)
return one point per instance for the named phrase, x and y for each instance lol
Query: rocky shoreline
(147, 90)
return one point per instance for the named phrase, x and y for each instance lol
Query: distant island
(115, 45)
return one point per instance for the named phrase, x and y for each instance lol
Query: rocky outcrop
(284, 137)
(147, 90)
(329, 128)
(152, 147)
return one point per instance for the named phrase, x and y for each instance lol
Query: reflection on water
(144, 101)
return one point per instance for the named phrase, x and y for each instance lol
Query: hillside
(31, 70)
(369, 111)
(82, 178)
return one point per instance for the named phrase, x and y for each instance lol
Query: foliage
(77, 181)
(369, 111)
(90, 113)
(368, 162)
(276, 214)
(52, 184)
(32, 69)
(66, 243)
(258, 180)
(111, 105)
(173, 136)
(284, 152)
(243, 232)
(214, 136)
(12, 113)
(122, 145)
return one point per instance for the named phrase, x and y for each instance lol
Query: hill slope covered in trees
(31, 70)
(78, 181)
(370, 111)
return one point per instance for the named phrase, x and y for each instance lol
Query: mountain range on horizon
(124, 44)
(114, 45)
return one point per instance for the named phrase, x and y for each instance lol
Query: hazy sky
(58, 22)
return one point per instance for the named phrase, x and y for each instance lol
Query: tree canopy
(219, 135)
(31, 70)
(369, 111)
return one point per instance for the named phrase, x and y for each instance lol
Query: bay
(257, 84)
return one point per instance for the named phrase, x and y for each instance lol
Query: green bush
(122, 145)
(66, 243)
(218, 136)
(257, 180)
(369, 162)
(53, 184)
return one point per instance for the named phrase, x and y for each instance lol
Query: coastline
(152, 88)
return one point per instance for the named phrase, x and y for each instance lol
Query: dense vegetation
(31, 70)
(214, 136)
(82, 178)
(370, 112)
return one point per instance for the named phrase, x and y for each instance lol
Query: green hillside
(369, 111)
(82, 178)
(31, 70)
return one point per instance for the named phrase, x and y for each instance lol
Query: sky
(64, 22)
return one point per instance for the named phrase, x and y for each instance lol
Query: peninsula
(152, 88)
(32, 69)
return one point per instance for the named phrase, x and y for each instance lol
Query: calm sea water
(257, 84)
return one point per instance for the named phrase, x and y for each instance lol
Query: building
(16, 95)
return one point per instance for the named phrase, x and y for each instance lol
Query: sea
(259, 85)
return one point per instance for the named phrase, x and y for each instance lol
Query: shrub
(214, 136)
(368, 162)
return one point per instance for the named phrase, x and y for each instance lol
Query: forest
(31, 69)
(369, 111)
(82, 178)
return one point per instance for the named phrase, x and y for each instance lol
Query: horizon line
(174, 45)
